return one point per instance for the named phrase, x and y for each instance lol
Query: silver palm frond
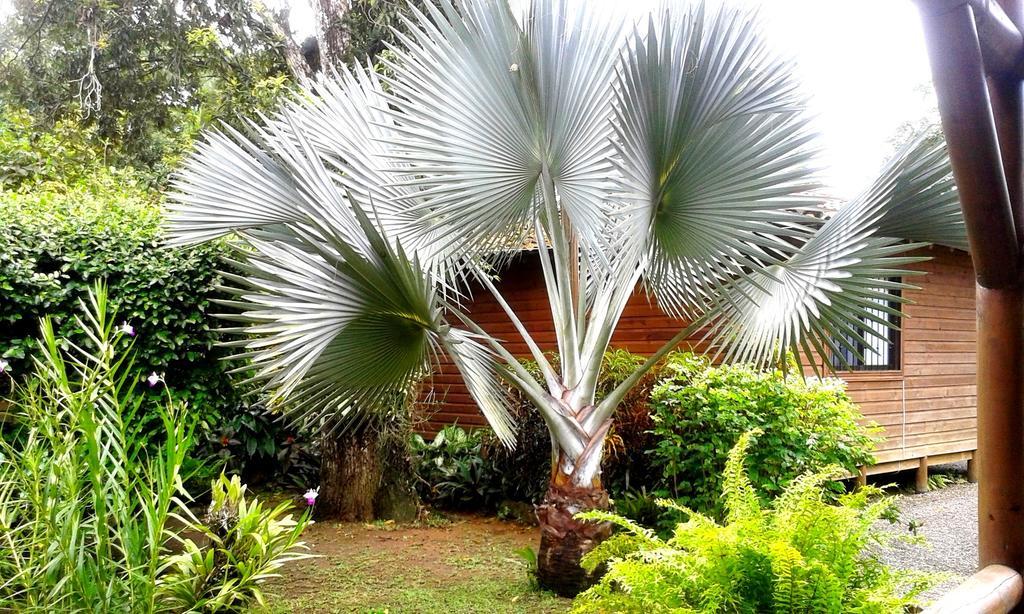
(837, 290)
(337, 321)
(714, 151)
(229, 184)
(924, 205)
(487, 108)
(467, 127)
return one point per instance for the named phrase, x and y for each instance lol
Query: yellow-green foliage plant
(91, 518)
(798, 554)
(247, 544)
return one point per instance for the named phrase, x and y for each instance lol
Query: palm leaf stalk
(670, 155)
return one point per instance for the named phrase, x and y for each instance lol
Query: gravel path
(947, 518)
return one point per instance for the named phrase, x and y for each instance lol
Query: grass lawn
(469, 565)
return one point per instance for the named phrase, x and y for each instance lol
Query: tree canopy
(143, 72)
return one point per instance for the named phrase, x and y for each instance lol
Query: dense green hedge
(699, 413)
(55, 241)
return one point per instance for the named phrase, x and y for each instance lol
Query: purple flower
(4, 365)
(126, 329)
(154, 379)
(311, 495)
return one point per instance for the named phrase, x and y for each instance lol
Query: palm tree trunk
(564, 539)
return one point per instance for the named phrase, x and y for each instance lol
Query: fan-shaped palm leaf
(924, 205)
(466, 125)
(230, 184)
(713, 150)
(835, 291)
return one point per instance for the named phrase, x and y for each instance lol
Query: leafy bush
(257, 444)
(247, 545)
(31, 158)
(453, 471)
(699, 413)
(55, 242)
(88, 512)
(626, 464)
(800, 554)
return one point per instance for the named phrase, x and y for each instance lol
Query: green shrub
(258, 445)
(89, 513)
(800, 554)
(31, 158)
(453, 471)
(626, 466)
(246, 545)
(56, 242)
(699, 413)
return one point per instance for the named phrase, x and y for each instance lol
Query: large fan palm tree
(673, 156)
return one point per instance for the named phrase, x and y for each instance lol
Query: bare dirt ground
(469, 565)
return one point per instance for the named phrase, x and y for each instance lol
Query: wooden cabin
(920, 388)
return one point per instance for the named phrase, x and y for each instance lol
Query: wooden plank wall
(927, 408)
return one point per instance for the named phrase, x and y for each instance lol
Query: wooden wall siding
(927, 408)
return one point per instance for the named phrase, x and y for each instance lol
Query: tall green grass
(89, 515)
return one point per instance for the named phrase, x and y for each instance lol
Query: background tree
(372, 25)
(156, 73)
(146, 73)
(670, 158)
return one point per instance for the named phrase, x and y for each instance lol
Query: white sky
(863, 63)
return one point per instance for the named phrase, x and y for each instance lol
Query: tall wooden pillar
(978, 91)
(1000, 427)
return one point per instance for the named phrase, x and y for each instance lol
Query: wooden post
(972, 469)
(862, 476)
(921, 479)
(980, 143)
(1000, 455)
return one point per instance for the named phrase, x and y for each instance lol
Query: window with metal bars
(882, 351)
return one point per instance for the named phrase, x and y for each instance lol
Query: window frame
(895, 344)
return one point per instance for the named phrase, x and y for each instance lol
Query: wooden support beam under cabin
(921, 477)
(972, 471)
(862, 477)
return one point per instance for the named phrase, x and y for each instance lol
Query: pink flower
(154, 379)
(311, 495)
(126, 329)
(4, 365)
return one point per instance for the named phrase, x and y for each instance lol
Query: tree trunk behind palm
(397, 499)
(366, 475)
(350, 475)
(564, 539)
